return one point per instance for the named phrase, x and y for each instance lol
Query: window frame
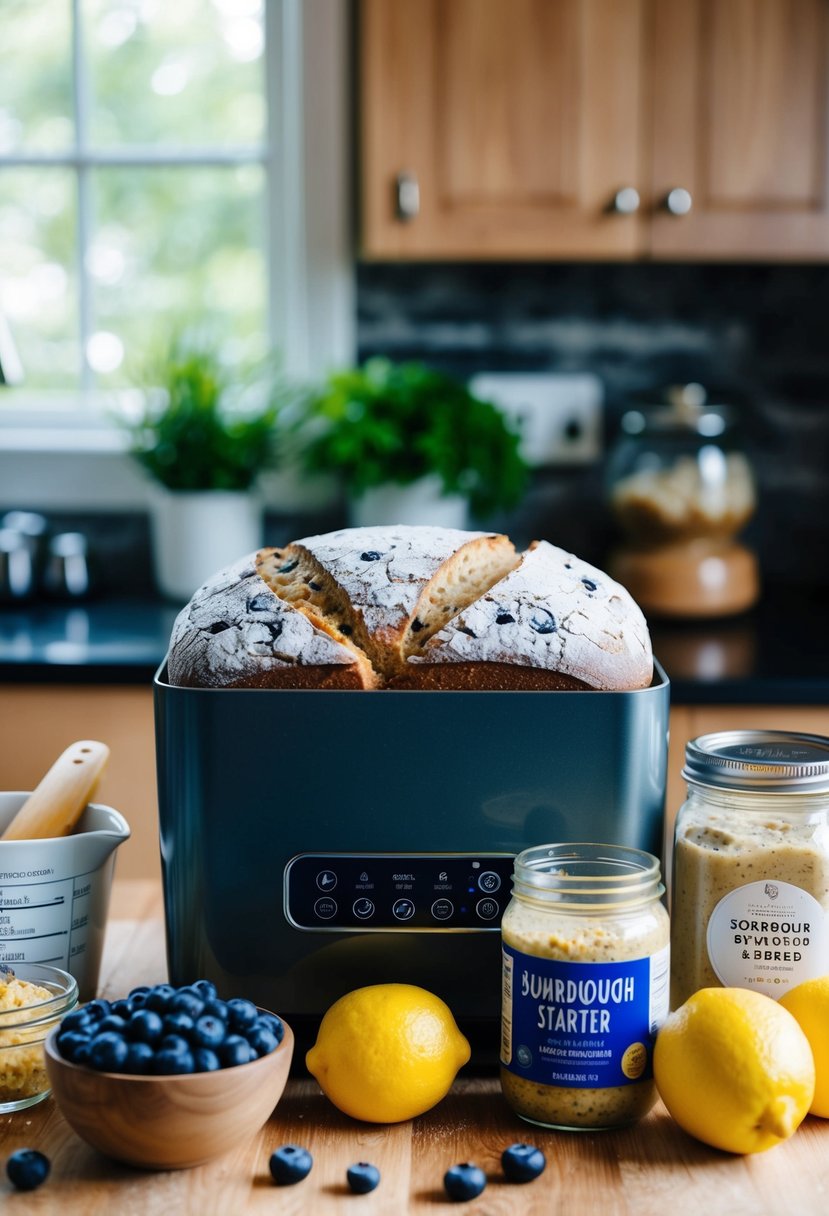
(309, 253)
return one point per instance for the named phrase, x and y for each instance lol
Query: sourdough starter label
(769, 936)
(581, 1025)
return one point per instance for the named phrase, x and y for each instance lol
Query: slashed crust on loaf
(555, 613)
(391, 588)
(235, 633)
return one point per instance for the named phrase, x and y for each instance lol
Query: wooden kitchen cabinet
(740, 100)
(526, 129)
(514, 124)
(38, 721)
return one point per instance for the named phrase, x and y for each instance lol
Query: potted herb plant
(412, 445)
(203, 434)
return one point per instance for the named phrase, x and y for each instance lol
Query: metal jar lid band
(759, 761)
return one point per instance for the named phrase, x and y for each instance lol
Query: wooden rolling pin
(55, 806)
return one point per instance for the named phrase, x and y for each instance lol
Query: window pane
(181, 72)
(36, 76)
(38, 283)
(174, 245)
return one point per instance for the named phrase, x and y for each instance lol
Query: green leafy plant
(397, 422)
(202, 426)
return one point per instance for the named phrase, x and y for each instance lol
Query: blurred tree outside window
(134, 187)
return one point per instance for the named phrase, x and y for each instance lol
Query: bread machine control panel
(365, 892)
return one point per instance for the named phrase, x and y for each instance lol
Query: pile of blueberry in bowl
(168, 1078)
(165, 1031)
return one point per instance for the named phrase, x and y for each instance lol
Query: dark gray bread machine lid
(759, 761)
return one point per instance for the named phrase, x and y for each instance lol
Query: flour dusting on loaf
(236, 633)
(554, 612)
(411, 608)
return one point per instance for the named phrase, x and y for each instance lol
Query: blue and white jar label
(582, 1025)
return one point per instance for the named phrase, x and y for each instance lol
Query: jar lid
(758, 761)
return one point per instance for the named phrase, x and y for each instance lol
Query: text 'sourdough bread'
(404, 607)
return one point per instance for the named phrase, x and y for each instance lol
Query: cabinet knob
(407, 192)
(625, 201)
(678, 201)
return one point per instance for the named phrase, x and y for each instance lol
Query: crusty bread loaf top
(411, 608)
(555, 612)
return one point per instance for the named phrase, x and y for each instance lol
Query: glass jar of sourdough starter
(750, 890)
(585, 984)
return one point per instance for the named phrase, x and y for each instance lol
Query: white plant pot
(194, 534)
(420, 503)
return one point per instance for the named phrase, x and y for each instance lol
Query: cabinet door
(516, 122)
(740, 123)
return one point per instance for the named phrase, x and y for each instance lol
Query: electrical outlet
(560, 416)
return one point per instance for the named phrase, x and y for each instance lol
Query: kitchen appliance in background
(681, 489)
(313, 842)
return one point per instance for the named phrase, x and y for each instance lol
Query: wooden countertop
(652, 1169)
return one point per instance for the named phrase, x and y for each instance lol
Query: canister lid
(759, 761)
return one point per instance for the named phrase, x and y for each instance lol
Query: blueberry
(243, 1015)
(78, 1020)
(290, 1164)
(371, 555)
(208, 1032)
(206, 989)
(188, 1002)
(139, 1057)
(589, 584)
(108, 1052)
(505, 618)
(464, 1181)
(145, 1026)
(174, 1042)
(122, 1008)
(111, 1022)
(97, 1009)
(206, 1060)
(73, 1043)
(522, 1162)
(159, 997)
(362, 1177)
(262, 1041)
(167, 1060)
(178, 1023)
(138, 996)
(236, 1050)
(215, 1008)
(269, 1021)
(543, 621)
(27, 1169)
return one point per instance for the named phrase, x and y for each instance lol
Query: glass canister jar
(585, 984)
(681, 488)
(750, 888)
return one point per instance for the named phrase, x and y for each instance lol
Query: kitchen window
(163, 162)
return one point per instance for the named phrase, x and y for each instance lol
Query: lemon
(809, 1003)
(734, 1069)
(387, 1052)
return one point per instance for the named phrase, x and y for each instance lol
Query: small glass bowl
(23, 1028)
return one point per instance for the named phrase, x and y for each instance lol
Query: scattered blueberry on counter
(165, 1031)
(290, 1164)
(464, 1181)
(362, 1177)
(522, 1162)
(27, 1169)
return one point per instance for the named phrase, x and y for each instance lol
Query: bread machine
(313, 841)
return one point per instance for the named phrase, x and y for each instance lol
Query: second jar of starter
(750, 890)
(585, 984)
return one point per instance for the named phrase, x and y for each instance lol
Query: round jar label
(769, 936)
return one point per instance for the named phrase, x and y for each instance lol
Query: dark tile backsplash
(756, 336)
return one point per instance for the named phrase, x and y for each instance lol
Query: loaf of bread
(411, 608)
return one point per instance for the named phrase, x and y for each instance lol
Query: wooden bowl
(168, 1122)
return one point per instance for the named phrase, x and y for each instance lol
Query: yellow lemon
(809, 1003)
(387, 1052)
(734, 1069)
